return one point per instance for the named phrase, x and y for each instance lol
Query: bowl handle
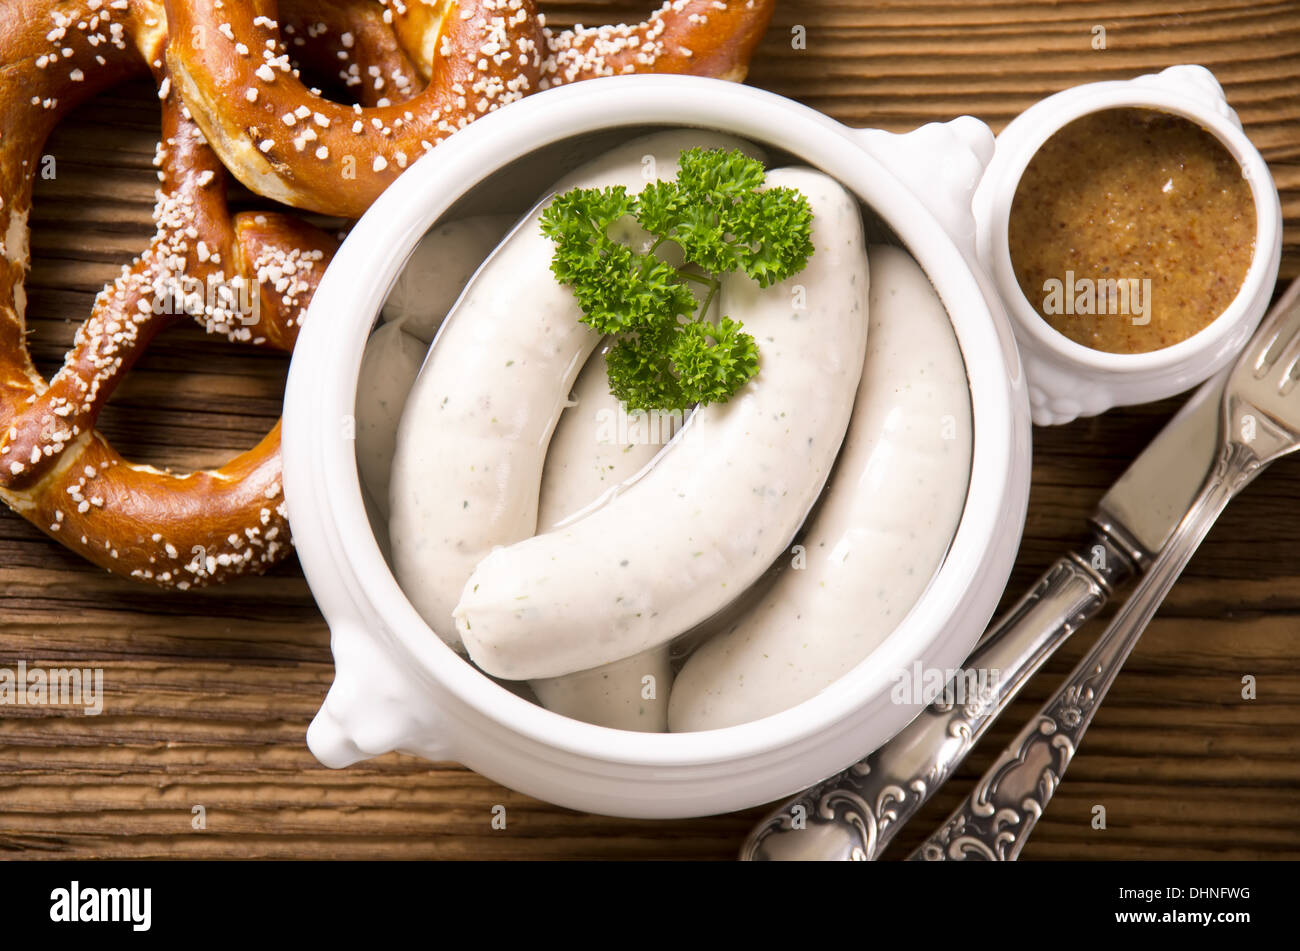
(373, 707)
(941, 163)
(1195, 82)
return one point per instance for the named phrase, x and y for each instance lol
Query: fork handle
(855, 814)
(994, 822)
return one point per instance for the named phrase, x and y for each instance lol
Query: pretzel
(418, 71)
(248, 277)
(286, 143)
(695, 37)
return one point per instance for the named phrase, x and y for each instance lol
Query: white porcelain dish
(1067, 379)
(399, 687)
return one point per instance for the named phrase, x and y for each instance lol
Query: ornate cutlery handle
(995, 820)
(854, 814)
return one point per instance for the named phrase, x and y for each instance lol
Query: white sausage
(437, 271)
(596, 446)
(628, 694)
(472, 438)
(389, 367)
(719, 504)
(439, 268)
(890, 512)
(594, 449)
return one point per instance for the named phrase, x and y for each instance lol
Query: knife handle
(994, 822)
(854, 815)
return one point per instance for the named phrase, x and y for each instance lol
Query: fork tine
(1277, 341)
(1290, 362)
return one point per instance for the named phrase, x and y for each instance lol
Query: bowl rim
(364, 269)
(1049, 116)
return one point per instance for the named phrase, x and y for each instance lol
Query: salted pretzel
(248, 277)
(418, 71)
(283, 142)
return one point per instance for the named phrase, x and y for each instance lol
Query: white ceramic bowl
(1067, 379)
(398, 686)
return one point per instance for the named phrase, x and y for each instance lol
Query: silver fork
(1260, 423)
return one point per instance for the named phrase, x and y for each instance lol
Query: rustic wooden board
(208, 694)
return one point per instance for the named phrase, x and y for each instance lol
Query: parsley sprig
(669, 354)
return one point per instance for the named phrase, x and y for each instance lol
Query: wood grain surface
(208, 694)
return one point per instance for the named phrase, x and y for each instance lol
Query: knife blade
(1147, 502)
(854, 814)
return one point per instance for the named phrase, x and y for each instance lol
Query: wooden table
(208, 694)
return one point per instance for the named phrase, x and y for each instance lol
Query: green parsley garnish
(670, 355)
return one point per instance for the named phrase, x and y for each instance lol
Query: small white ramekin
(399, 687)
(1067, 379)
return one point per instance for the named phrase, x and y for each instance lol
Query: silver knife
(855, 814)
